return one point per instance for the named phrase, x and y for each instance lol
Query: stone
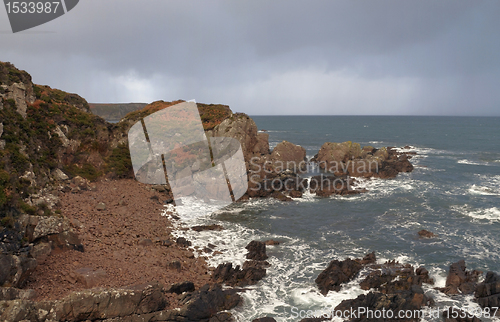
(44, 226)
(15, 269)
(59, 175)
(337, 273)
(88, 277)
(1, 129)
(256, 250)
(12, 293)
(180, 288)
(460, 280)
(272, 242)
(183, 242)
(145, 242)
(176, 265)
(426, 234)
(207, 227)
(206, 302)
(488, 292)
(250, 274)
(101, 206)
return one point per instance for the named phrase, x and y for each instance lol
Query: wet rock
(180, 288)
(426, 234)
(337, 273)
(207, 227)
(488, 292)
(272, 242)
(392, 276)
(412, 299)
(252, 272)
(460, 280)
(256, 250)
(265, 319)
(206, 302)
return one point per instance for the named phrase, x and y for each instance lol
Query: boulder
(206, 302)
(252, 272)
(15, 269)
(265, 319)
(180, 288)
(256, 250)
(460, 280)
(12, 293)
(488, 292)
(337, 273)
(426, 234)
(89, 277)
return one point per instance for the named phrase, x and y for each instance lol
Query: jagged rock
(41, 250)
(392, 276)
(41, 226)
(206, 302)
(460, 280)
(180, 288)
(288, 156)
(59, 175)
(339, 272)
(252, 272)
(426, 234)
(488, 292)
(207, 227)
(412, 299)
(15, 269)
(12, 293)
(256, 250)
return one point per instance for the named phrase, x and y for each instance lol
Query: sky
(273, 57)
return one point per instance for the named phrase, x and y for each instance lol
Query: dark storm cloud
(273, 57)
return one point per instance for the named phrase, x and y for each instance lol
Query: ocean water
(454, 191)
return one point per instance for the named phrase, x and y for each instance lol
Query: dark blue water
(454, 192)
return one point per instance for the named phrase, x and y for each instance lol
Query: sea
(453, 191)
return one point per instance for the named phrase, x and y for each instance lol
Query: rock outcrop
(395, 286)
(488, 292)
(253, 270)
(340, 272)
(349, 158)
(460, 280)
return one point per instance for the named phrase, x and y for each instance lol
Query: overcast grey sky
(425, 57)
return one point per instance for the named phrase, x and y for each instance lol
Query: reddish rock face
(289, 156)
